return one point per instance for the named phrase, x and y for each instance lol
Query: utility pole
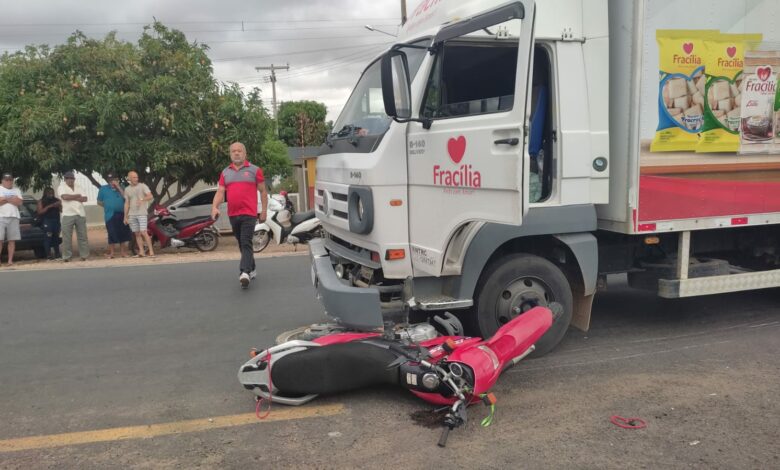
(403, 12)
(301, 117)
(273, 68)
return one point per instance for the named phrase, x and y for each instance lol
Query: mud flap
(582, 308)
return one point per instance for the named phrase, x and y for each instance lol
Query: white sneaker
(253, 275)
(244, 280)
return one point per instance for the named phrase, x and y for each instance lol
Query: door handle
(510, 141)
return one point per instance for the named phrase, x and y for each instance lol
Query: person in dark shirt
(49, 208)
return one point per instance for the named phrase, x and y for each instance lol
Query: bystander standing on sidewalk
(10, 200)
(111, 197)
(241, 181)
(49, 208)
(73, 215)
(137, 198)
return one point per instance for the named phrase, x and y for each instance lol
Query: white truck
(497, 157)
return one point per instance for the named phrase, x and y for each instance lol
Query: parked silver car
(198, 204)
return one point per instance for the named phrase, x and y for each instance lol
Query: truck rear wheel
(512, 285)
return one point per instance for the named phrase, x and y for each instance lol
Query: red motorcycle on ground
(197, 232)
(454, 371)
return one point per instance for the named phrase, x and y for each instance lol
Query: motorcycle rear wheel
(206, 241)
(260, 240)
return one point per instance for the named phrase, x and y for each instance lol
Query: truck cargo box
(668, 189)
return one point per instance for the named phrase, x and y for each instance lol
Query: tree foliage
(113, 106)
(302, 123)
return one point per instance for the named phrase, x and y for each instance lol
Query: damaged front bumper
(354, 307)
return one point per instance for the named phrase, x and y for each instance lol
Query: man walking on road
(137, 198)
(73, 198)
(111, 198)
(10, 200)
(242, 180)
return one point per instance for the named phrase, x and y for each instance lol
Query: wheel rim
(206, 240)
(520, 296)
(260, 240)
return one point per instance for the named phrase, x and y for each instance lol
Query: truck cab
(449, 151)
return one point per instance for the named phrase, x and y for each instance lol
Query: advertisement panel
(710, 130)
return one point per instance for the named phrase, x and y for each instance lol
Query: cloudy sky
(324, 41)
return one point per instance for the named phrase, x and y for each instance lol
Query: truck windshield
(364, 113)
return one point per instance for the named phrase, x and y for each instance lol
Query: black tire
(522, 281)
(260, 240)
(206, 241)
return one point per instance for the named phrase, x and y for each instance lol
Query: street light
(371, 28)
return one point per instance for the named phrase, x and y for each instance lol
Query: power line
(199, 31)
(126, 23)
(316, 64)
(362, 59)
(311, 51)
(321, 38)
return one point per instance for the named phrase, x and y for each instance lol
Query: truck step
(676, 288)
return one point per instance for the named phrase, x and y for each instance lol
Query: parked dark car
(32, 235)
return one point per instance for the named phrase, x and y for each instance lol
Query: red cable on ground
(270, 392)
(628, 423)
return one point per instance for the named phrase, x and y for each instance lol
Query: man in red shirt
(242, 181)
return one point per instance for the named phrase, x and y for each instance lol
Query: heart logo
(688, 47)
(763, 73)
(456, 148)
(731, 51)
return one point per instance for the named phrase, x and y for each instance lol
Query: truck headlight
(360, 206)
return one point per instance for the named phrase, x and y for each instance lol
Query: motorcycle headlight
(430, 381)
(456, 369)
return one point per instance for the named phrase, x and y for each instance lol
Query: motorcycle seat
(180, 224)
(301, 217)
(333, 369)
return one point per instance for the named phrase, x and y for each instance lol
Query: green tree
(302, 123)
(113, 106)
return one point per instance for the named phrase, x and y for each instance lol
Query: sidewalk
(98, 244)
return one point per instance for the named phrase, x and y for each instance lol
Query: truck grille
(330, 200)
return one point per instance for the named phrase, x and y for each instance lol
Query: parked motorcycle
(451, 370)
(284, 226)
(197, 232)
(286, 202)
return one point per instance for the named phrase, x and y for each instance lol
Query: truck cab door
(466, 150)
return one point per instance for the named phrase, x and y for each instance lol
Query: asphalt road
(108, 349)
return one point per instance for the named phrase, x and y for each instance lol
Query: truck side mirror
(396, 86)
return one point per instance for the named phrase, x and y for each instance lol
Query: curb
(164, 260)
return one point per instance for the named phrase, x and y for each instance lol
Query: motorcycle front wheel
(206, 241)
(260, 240)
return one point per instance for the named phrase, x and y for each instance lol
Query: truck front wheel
(514, 284)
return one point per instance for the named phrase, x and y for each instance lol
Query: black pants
(243, 230)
